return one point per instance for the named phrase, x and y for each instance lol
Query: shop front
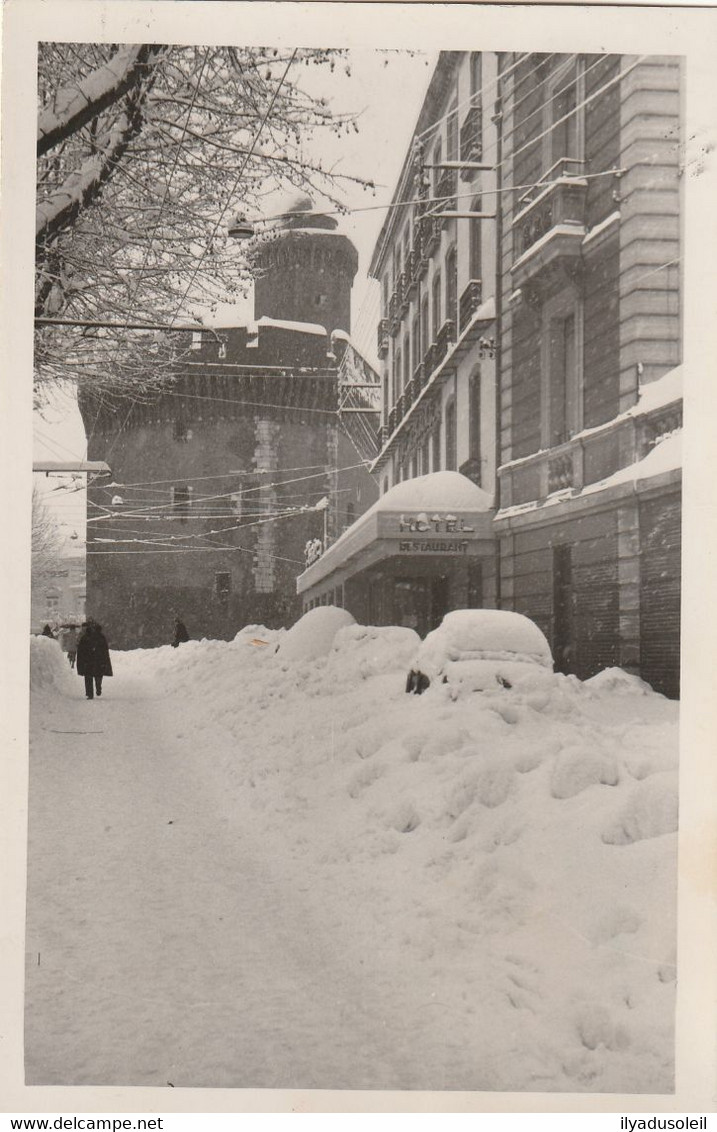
(412, 557)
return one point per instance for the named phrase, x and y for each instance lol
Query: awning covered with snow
(443, 513)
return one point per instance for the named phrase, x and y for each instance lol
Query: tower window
(182, 499)
(223, 584)
(321, 300)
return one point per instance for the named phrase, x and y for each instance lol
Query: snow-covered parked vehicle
(481, 650)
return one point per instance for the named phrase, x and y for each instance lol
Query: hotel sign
(430, 532)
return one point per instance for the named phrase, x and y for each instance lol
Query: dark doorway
(439, 600)
(563, 610)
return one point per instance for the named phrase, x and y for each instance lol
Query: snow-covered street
(257, 869)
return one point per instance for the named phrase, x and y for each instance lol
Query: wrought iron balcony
(402, 289)
(419, 377)
(412, 275)
(430, 235)
(382, 435)
(471, 140)
(392, 420)
(393, 314)
(471, 299)
(400, 408)
(446, 337)
(382, 338)
(447, 189)
(409, 394)
(429, 360)
(549, 228)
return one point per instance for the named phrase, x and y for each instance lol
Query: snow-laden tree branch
(75, 105)
(140, 155)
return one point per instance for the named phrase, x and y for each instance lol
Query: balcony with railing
(446, 191)
(409, 395)
(392, 420)
(446, 337)
(470, 300)
(430, 360)
(590, 457)
(402, 290)
(412, 275)
(382, 338)
(419, 377)
(471, 139)
(394, 320)
(549, 226)
(430, 235)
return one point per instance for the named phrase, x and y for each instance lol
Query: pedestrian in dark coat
(93, 658)
(180, 633)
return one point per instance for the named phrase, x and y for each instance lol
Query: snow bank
(497, 871)
(617, 680)
(49, 667)
(313, 635)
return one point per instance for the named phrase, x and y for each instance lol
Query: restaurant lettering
(433, 546)
(436, 524)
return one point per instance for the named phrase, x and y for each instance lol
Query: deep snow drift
(272, 867)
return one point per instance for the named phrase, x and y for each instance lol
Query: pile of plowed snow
(515, 851)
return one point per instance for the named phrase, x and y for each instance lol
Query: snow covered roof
(297, 327)
(438, 491)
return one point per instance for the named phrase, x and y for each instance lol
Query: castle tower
(305, 270)
(216, 480)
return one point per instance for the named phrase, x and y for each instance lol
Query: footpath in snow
(254, 868)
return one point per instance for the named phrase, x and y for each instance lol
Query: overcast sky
(386, 90)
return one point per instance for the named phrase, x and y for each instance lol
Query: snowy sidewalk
(248, 872)
(186, 963)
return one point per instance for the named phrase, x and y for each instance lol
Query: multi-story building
(221, 480)
(435, 261)
(590, 338)
(58, 595)
(550, 378)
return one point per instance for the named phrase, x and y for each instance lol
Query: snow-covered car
(481, 650)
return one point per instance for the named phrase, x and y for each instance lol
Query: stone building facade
(216, 481)
(538, 350)
(591, 406)
(435, 260)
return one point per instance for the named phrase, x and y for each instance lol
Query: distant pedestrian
(180, 633)
(93, 658)
(47, 632)
(69, 643)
